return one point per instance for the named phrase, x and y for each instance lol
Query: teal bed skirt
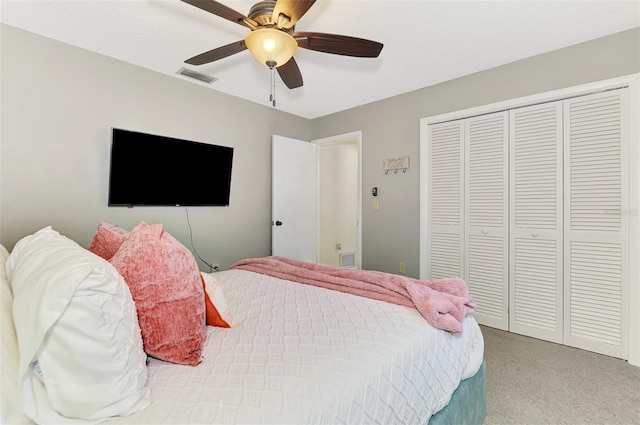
(468, 403)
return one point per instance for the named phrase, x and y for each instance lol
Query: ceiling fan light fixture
(269, 45)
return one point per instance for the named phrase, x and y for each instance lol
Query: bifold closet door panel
(445, 201)
(536, 240)
(595, 167)
(486, 216)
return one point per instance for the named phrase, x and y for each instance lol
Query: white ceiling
(425, 42)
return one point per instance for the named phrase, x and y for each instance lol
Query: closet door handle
(535, 234)
(485, 231)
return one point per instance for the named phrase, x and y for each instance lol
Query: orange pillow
(165, 283)
(107, 240)
(214, 318)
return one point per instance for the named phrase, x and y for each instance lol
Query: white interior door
(486, 216)
(536, 233)
(445, 180)
(595, 224)
(294, 206)
(467, 210)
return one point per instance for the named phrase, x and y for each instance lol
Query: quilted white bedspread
(301, 354)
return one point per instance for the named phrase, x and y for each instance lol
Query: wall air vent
(196, 75)
(348, 259)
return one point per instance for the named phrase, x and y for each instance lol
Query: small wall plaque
(395, 164)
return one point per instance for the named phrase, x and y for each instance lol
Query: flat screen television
(151, 170)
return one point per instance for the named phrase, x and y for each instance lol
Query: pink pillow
(166, 286)
(107, 240)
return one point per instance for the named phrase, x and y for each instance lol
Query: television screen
(155, 170)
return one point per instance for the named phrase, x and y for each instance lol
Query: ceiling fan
(273, 40)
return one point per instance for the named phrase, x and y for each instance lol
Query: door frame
(337, 139)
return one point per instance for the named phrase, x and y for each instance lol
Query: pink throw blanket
(444, 303)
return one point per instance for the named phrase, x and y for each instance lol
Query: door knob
(278, 223)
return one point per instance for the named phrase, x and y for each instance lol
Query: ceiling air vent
(196, 75)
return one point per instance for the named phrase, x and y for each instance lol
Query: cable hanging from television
(211, 266)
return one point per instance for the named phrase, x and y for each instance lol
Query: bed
(297, 353)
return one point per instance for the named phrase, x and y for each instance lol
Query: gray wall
(391, 129)
(59, 102)
(58, 106)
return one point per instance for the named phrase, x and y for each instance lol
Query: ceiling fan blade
(292, 11)
(290, 74)
(219, 53)
(223, 11)
(338, 44)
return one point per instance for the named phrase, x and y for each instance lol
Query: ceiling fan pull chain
(272, 96)
(273, 89)
(273, 86)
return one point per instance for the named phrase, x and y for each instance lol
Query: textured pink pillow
(166, 286)
(107, 240)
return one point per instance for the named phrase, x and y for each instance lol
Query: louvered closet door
(487, 214)
(445, 201)
(536, 221)
(595, 280)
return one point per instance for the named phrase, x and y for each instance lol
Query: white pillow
(81, 356)
(9, 411)
(214, 290)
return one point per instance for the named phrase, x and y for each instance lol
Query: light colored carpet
(532, 382)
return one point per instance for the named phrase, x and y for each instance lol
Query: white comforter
(301, 354)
